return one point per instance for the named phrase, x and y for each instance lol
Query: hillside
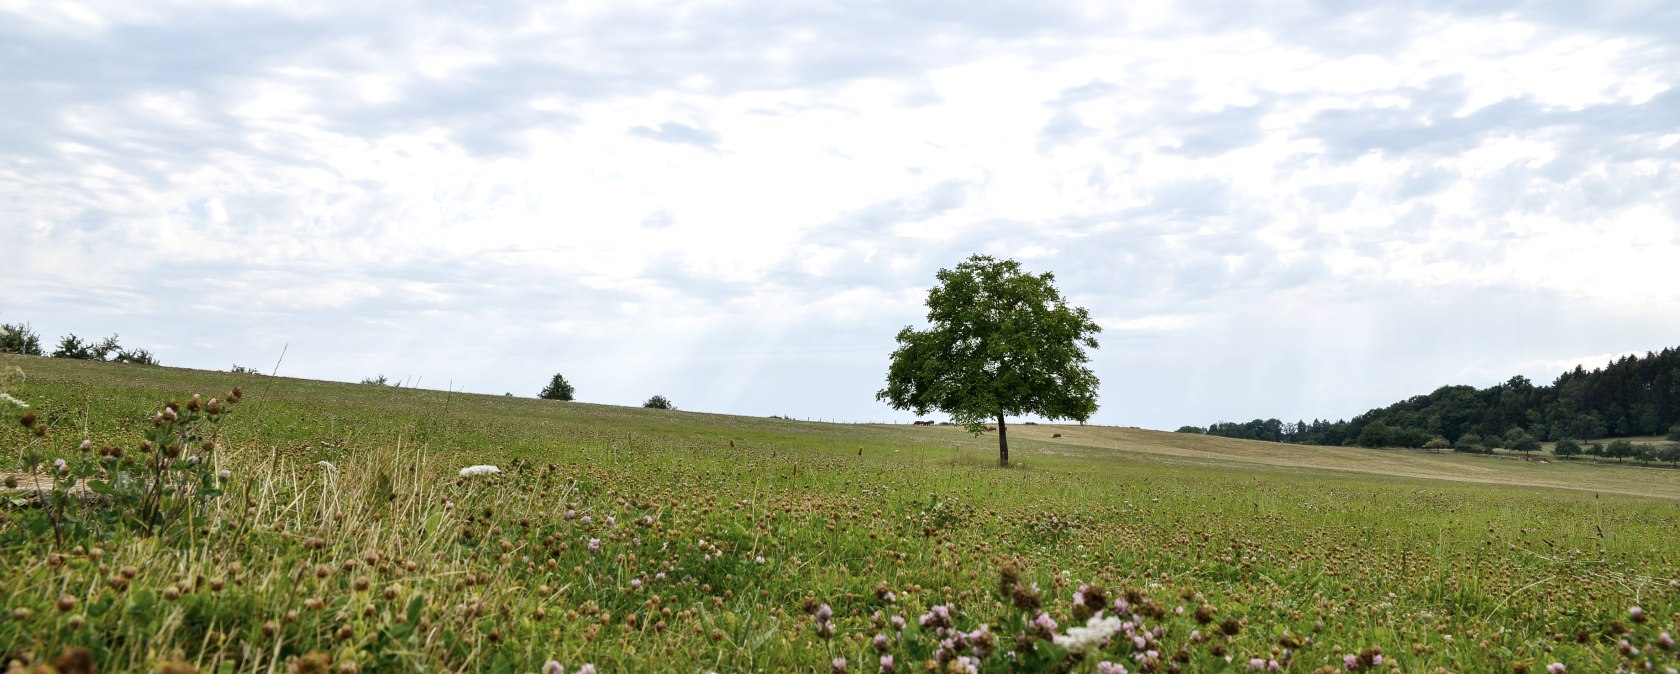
(630, 539)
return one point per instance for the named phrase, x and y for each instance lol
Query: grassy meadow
(630, 540)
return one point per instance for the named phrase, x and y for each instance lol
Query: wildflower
(224, 473)
(1555, 668)
(587, 669)
(473, 471)
(1106, 667)
(1256, 663)
(594, 544)
(759, 559)
(967, 664)
(326, 464)
(659, 576)
(1637, 614)
(1665, 641)
(553, 667)
(887, 665)
(61, 465)
(1045, 623)
(86, 445)
(635, 582)
(8, 398)
(898, 622)
(570, 514)
(587, 519)
(1094, 634)
(881, 643)
(838, 666)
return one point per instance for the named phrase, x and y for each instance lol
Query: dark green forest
(1627, 397)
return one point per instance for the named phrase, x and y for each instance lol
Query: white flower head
(482, 469)
(1093, 635)
(8, 398)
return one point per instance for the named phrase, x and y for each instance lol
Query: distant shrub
(105, 350)
(1673, 431)
(136, 357)
(1645, 452)
(659, 402)
(240, 369)
(20, 339)
(1470, 443)
(1519, 440)
(1198, 430)
(1619, 449)
(1567, 447)
(1437, 443)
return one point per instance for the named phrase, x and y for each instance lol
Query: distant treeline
(1627, 397)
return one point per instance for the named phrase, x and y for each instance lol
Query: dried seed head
(66, 603)
(27, 419)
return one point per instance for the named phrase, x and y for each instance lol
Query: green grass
(391, 562)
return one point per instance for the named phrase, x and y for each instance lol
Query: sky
(1274, 209)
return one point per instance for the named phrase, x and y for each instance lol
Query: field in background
(709, 537)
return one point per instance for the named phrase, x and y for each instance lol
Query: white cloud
(745, 183)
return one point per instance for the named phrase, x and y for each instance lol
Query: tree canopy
(558, 389)
(1001, 342)
(659, 402)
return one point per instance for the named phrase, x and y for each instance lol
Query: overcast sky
(1273, 208)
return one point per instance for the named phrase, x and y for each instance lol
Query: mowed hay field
(625, 539)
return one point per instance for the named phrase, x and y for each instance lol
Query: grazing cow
(991, 429)
(1056, 435)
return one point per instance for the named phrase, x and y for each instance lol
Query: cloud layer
(1276, 209)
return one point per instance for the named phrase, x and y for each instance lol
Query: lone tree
(558, 389)
(659, 403)
(1002, 342)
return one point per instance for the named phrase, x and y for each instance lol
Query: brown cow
(991, 429)
(1056, 435)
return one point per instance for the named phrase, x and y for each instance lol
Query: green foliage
(1191, 429)
(71, 346)
(1567, 448)
(1470, 443)
(1670, 453)
(558, 389)
(1001, 342)
(20, 339)
(659, 402)
(1519, 440)
(1645, 452)
(1674, 432)
(1619, 449)
(1437, 443)
(1630, 396)
(1375, 434)
(135, 357)
(108, 349)
(376, 380)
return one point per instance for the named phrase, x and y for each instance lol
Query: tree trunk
(1003, 443)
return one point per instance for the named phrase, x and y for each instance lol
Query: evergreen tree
(558, 389)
